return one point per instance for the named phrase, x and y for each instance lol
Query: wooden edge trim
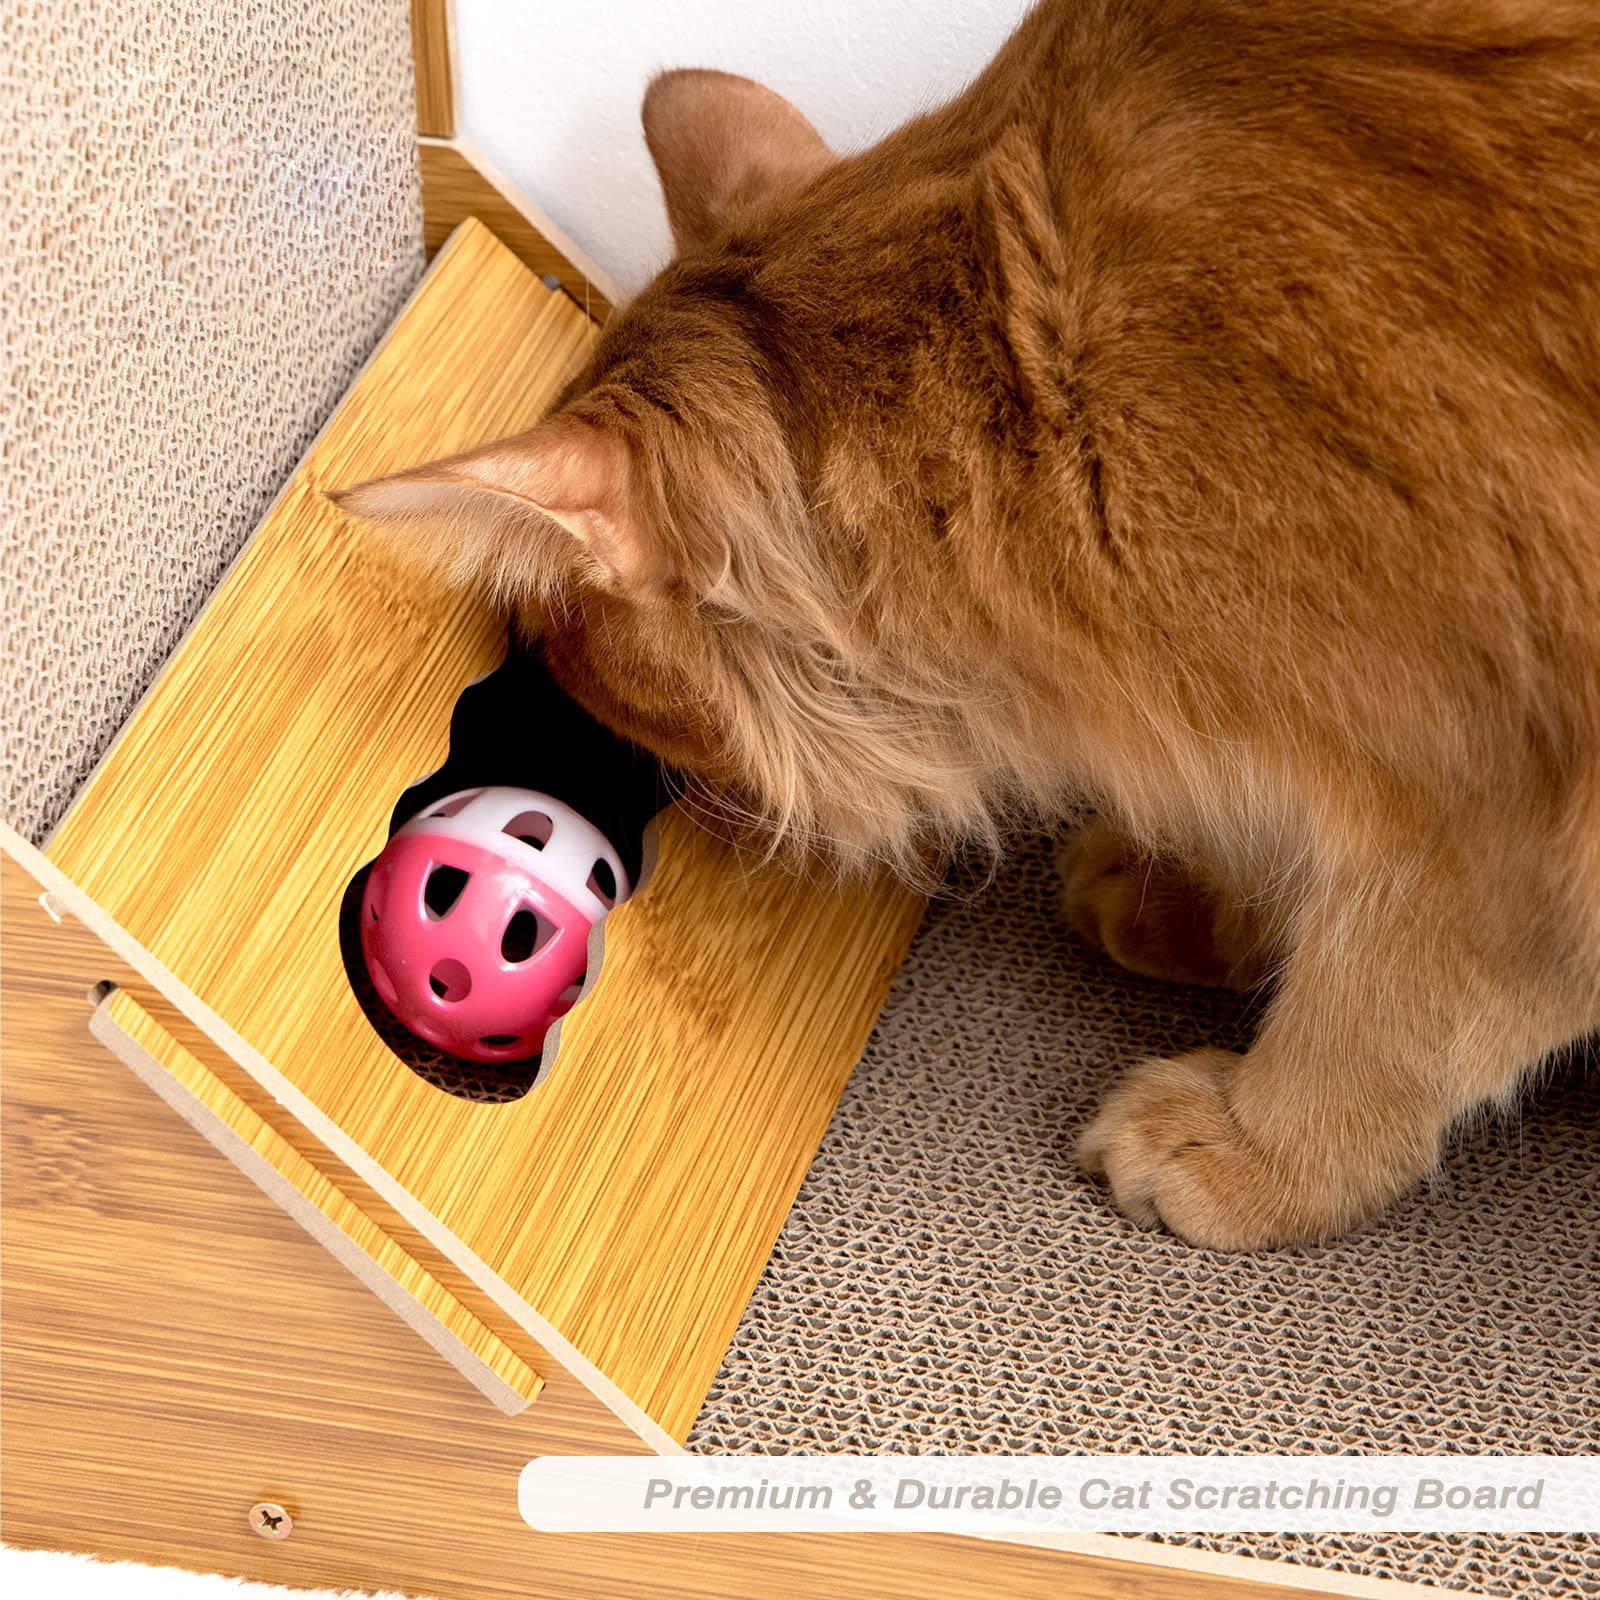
(584, 263)
(433, 56)
(322, 1127)
(264, 1156)
(458, 182)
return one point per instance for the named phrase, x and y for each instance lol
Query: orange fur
(1199, 416)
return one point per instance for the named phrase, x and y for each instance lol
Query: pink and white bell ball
(475, 919)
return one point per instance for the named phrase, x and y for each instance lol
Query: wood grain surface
(627, 1205)
(262, 1154)
(51, 970)
(435, 69)
(455, 187)
(174, 1348)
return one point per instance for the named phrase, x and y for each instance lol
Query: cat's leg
(1393, 1017)
(1155, 917)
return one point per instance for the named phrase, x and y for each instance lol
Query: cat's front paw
(1174, 1155)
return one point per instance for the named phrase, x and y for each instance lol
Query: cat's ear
(516, 512)
(720, 142)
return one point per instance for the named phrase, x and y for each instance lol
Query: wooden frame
(459, 182)
(322, 1206)
(433, 56)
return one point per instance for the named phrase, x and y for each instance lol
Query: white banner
(1062, 1494)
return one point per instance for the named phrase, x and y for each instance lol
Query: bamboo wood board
(628, 1204)
(325, 1210)
(175, 1348)
(329, 1194)
(55, 1070)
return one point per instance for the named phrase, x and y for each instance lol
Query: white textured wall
(550, 94)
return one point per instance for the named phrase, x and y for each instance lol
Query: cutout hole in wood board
(514, 726)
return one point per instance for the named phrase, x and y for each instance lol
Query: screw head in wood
(271, 1521)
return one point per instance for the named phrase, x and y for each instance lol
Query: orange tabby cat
(1201, 414)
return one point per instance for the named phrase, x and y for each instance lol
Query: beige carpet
(211, 216)
(946, 1281)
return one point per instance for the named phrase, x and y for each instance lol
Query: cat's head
(691, 529)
